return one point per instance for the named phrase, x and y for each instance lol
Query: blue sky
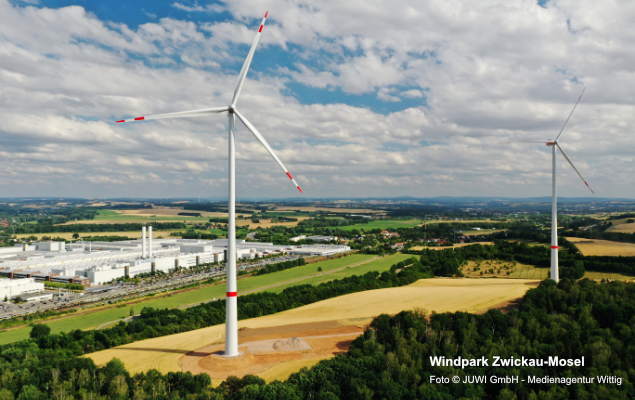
(136, 13)
(357, 98)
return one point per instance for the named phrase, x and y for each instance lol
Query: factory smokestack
(150, 241)
(143, 242)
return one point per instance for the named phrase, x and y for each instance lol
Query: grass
(532, 243)
(612, 276)
(130, 234)
(312, 209)
(481, 232)
(109, 216)
(440, 295)
(90, 321)
(385, 224)
(380, 265)
(519, 270)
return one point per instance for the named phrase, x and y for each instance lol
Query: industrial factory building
(97, 263)
(12, 288)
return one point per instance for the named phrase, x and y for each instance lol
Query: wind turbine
(231, 326)
(555, 275)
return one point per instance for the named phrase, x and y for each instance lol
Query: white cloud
(490, 71)
(216, 8)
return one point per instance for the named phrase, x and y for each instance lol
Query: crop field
(93, 320)
(385, 224)
(623, 226)
(130, 234)
(468, 221)
(357, 309)
(499, 269)
(419, 248)
(331, 209)
(532, 243)
(266, 223)
(481, 232)
(147, 215)
(611, 276)
(594, 247)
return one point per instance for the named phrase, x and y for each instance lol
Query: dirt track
(325, 339)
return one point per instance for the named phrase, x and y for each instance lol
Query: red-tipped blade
(193, 113)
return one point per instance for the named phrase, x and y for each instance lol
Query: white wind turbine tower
(555, 275)
(231, 328)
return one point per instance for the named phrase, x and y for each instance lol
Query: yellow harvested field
(357, 309)
(595, 247)
(282, 371)
(266, 223)
(622, 226)
(598, 276)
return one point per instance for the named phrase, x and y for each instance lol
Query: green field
(380, 265)
(113, 217)
(95, 319)
(385, 224)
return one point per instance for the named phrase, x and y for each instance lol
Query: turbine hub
(231, 109)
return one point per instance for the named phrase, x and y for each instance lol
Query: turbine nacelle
(552, 143)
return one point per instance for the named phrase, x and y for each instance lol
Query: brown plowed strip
(327, 339)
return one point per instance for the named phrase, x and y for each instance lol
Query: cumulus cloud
(488, 71)
(216, 8)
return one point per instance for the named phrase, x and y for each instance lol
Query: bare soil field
(595, 247)
(341, 315)
(315, 342)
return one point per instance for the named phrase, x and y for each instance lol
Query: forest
(391, 360)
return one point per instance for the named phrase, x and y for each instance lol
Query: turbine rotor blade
(262, 140)
(573, 166)
(193, 113)
(526, 141)
(245, 68)
(565, 122)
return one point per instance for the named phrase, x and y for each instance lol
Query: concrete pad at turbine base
(222, 354)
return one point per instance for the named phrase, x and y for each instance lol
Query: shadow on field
(161, 350)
